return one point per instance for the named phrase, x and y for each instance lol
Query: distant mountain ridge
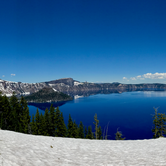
(68, 86)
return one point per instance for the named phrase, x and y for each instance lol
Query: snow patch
(77, 83)
(8, 95)
(54, 89)
(22, 149)
(77, 97)
(25, 93)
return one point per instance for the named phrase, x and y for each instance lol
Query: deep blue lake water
(130, 112)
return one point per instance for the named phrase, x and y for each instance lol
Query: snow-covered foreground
(28, 150)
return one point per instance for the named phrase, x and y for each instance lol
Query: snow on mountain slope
(72, 87)
(18, 149)
(8, 87)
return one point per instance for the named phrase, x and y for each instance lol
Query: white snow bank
(25, 93)
(8, 95)
(77, 83)
(77, 97)
(54, 89)
(18, 149)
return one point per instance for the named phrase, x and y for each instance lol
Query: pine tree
(89, 134)
(86, 132)
(81, 130)
(46, 123)
(5, 114)
(156, 124)
(15, 110)
(70, 127)
(75, 130)
(57, 122)
(1, 109)
(96, 126)
(119, 135)
(23, 107)
(159, 120)
(42, 125)
(62, 126)
(162, 125)
(33, 125)
(24, 116)
(37, 123)
(2, 118)
(52, 121)
(26, 121)
(99, 133)
(1, 97)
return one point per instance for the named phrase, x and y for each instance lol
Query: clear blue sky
(87, 40)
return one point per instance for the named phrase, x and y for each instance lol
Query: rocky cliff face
(70, 86)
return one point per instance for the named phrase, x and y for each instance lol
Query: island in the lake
(47, 94)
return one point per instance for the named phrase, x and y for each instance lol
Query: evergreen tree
(37, 123)
(162, 125)
(24, 116)
(2, 118)
(75, 130)
(46, 123)
(89, 134)
(156, 124)
(62, 126)
(99, 133)
(26, 121)
(52, 121)
(1, 109)
(81, 130)
(15, 110)
(5, 113)
(86, 132)
(159, 120)
(70, 127)
(42, 125)
(23, 106)
(57, 122)
(119, 135)
(96, 126)
(1, 102)
(33, 125)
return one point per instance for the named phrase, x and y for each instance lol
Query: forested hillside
(47, 94)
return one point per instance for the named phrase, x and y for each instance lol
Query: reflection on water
(77, 95)
(43, 106)
(155, 93)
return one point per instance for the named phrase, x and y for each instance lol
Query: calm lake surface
(130, 112)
